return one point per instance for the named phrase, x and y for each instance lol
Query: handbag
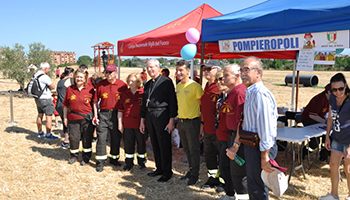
(248, 137)
(88, 117)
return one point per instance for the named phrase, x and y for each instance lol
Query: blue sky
(75, 25)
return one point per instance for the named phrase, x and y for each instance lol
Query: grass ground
(33, 168)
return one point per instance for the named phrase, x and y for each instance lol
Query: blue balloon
(188, 51)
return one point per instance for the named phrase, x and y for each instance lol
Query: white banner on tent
(331, 39)
(274, 43)
(306, 60)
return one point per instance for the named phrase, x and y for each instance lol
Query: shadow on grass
(175, 188)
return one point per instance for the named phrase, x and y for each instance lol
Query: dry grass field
(34, 168)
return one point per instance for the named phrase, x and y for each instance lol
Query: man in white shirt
(44, 102)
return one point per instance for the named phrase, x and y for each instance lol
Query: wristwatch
(235, 144)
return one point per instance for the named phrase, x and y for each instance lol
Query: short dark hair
(183, 62)
(83, 66)
(166, 71)
(66, 72)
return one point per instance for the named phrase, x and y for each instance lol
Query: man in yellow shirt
(188, 93)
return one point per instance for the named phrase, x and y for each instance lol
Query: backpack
(34, 88)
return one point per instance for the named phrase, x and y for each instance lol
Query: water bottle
(240, 161)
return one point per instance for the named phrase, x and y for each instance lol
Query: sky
(76, 25)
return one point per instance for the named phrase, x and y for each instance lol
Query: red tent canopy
(167, 40)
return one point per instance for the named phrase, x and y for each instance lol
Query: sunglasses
(339, 89)
(108, 72)
(219, 79)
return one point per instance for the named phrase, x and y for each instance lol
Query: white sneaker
(328, 196)
(227, 197)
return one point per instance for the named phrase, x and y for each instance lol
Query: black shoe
(155, 173)
(193, 180)
(115, 162)
(163, 179)
(211, 183)
(99, 167)
(82, 163)
(188, 175)
(72, 160)
(220, 189)
(142, 166)
(127, 168)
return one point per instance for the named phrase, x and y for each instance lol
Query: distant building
(63, 57)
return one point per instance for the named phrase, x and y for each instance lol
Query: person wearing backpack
(44, 102)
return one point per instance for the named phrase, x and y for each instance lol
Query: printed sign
(331, 39)
(275, 43)
(324, 56)
(306, 60)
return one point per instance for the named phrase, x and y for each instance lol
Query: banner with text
(332, 39)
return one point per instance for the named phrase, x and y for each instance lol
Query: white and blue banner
(331, 39)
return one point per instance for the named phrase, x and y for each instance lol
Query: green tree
(84, 60)
(38, 53)
(13, 65)
(14, 61)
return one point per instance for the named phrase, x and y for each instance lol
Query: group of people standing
(232, 97)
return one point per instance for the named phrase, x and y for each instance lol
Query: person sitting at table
(314, 113)
(338, 123)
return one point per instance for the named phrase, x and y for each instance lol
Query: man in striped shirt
(260, 116)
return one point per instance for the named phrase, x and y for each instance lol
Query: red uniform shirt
(208, 102)
(143, 76)
(109, 94)
(318, 104)
(222, 130)
(54, 105)
(130, 105)
(234, 104)
(78, 101)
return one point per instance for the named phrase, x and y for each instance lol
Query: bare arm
(120, 121)
(65, 116)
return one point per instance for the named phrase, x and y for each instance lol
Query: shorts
(336, 147)
(45, 106)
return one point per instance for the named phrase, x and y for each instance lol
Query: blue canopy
(279, 17)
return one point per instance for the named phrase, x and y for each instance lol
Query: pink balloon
(192, 35)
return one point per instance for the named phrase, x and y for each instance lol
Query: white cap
(276, 181)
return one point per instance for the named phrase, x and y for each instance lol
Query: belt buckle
(182, 120)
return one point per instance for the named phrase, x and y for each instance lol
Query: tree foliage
(84, 60)
(14, 61)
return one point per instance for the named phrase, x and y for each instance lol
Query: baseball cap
(275, 180)
(211, 63)
(111, 68)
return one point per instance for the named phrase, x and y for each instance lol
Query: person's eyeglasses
(339, 89)
(247, 69)
(219, 79)
(108, 72)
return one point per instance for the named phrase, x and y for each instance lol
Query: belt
(102, 110)
(155, 109)
(186, 120)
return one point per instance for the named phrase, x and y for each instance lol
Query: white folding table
(300, 135)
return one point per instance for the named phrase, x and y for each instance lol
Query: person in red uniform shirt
(129, 122)
(211, 146)
(144, 76)
(78, 99)
(314, 113)
(234, 105)
(222, 136)
(108, 92)
(57, 115)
